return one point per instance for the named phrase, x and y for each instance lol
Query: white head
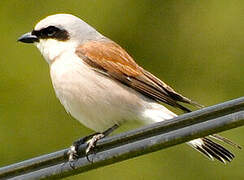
(58, 33)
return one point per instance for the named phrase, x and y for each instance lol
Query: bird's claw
(72, 153)
(91, 143)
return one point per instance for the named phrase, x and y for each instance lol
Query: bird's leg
(91, 141)
(72, 153)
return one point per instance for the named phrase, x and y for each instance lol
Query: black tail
(213, 150)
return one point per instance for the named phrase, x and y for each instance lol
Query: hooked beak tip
(28, 38)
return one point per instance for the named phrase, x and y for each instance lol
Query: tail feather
(206, 146)
(204, 152)
(225, 140)
(212, 150)
(219, 152)
(214, 153)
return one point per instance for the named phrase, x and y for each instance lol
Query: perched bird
(101, 85)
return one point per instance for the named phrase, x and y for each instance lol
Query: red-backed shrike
(101, 85)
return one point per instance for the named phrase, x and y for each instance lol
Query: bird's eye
(50, 31)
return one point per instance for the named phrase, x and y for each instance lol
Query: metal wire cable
(133, 143)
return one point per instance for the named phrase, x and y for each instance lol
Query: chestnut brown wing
(114, 61)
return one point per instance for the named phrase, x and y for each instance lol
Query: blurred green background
(195, 46)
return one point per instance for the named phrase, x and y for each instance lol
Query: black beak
(28, 38)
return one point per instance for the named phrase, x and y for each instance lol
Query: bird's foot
(91, 141)
(73, 151)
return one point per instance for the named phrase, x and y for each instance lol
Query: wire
(133, 143)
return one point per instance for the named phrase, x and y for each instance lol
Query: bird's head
(58, 33)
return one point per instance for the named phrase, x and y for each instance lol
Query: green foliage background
(195, 46)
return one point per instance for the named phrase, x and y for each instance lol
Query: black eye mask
(51, 32)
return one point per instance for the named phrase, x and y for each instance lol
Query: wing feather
(110, 58)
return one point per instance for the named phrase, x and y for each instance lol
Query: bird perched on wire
(101, 85)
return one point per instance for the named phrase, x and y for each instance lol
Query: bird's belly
(94, 99)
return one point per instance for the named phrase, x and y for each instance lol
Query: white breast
(94, 99)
